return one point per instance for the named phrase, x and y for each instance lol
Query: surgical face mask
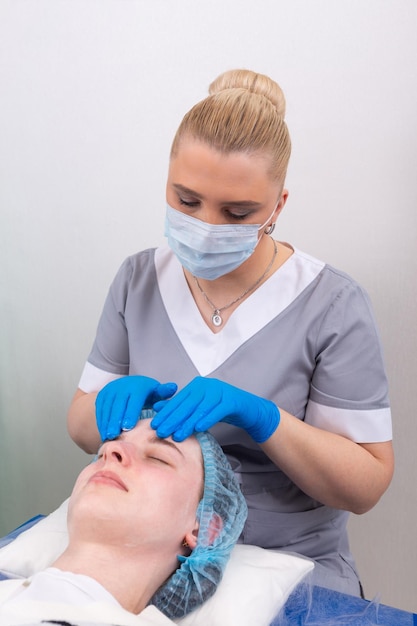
(210, 250)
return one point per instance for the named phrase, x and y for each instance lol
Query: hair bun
(243, 113)
(259, 84)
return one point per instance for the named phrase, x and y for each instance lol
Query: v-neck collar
(209, 350)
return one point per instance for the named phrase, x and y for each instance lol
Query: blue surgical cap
(222, 507)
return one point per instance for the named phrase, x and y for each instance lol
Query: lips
(108, 478)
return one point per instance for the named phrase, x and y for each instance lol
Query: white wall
(90, 94)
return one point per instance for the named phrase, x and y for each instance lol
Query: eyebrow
(236, 203)
(165, 442)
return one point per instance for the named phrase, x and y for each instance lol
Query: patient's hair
(221, 513)
(244, 113)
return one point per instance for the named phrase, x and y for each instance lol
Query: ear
(190, 538)
(281, 203)
(214, 530)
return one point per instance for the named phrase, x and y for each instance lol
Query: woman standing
(274, 350)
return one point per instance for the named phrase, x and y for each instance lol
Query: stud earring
(185, 544)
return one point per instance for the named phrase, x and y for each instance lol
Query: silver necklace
(216, 318)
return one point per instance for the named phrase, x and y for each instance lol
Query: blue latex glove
(119, 403)
(206, 401)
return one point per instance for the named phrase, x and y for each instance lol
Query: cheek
(81, 481)
(85, 474)
(172, 500)
(85, 500)
(185, 498)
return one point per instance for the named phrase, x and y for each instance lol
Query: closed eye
(189, 203)
(160, 460)
(237, 216)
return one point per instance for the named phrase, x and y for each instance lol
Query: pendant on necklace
(216, 318)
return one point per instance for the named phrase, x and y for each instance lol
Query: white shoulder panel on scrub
(93, 378)
(361, 426)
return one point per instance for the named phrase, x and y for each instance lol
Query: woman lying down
(151, 525)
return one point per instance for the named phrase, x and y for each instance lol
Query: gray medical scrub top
(305, 339)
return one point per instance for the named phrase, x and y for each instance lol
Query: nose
(116, 451)
(210, 215)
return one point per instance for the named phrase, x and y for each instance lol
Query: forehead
(142, 435)
(196, 159)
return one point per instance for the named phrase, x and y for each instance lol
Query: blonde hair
(244, 113)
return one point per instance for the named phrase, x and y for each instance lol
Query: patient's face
(141, 490)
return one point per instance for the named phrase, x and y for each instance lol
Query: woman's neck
(130, 577)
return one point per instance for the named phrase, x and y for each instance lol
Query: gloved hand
(206, 401)
(120, 402)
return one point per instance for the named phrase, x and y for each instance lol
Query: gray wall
(90, 95)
